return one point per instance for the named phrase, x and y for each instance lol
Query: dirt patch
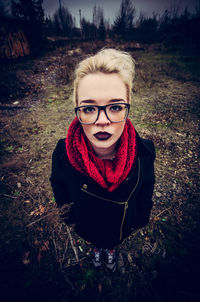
(43, 259)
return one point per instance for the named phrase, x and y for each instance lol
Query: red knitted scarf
(108, 173)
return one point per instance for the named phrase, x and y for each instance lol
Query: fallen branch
(63, 257)
(55, 247)
(121, 265)
(72, 244)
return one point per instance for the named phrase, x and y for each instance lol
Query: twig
(121, 263)
(68, 281)
(73, 264)
(29, 195)
(135, 233)
(54, 243)
(28, 225)
(10, 196)
(162, 212)
(72, 244)
(60, 227)
(63, 257)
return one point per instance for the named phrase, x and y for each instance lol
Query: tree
(95, 29)
(63, 22)
(197, 8)
(49, 27)
(88, 29)
(31, 11)
(124, 22)
(2, 8)
(56, 24)
(95, 20)
(28, 10)
(102, 30)
(99, 23)
(147, 28)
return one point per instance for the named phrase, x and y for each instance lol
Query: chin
(102, 144)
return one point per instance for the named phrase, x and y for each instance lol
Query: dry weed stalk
(72, 244)
(55, 215)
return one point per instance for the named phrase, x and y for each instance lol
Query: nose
(102, 118)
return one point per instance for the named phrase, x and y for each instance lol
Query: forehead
(101, 87)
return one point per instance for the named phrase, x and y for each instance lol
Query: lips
(102, 136)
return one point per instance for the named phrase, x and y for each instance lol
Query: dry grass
(164, 109)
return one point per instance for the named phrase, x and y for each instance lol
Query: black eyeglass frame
(104, 109)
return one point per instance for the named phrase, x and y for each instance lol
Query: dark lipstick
(102, 136)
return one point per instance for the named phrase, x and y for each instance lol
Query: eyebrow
(110, 101)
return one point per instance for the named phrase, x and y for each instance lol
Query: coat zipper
(125, 203)
(124, 215)
(99, 197)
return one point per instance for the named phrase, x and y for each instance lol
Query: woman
(103, 167)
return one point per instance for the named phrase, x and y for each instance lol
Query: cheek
(87, 129)
(119, 128)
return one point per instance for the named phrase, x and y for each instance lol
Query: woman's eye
(90, 109)
(115, 108)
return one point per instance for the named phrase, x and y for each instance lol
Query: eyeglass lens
(115, 113)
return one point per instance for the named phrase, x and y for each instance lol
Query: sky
(111, 7)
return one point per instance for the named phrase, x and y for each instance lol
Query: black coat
(102, 217)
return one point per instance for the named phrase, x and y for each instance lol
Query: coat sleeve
(59, 186)
(144, 201)
(56, 178)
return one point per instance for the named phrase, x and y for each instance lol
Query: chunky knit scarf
(108, 173)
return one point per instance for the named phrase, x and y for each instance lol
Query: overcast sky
(111, 7)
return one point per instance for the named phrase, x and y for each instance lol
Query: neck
(105, 153)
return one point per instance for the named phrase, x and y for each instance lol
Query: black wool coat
(101, 217)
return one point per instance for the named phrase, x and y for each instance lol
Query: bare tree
(99, 23)
(95, 20)
(98, 15)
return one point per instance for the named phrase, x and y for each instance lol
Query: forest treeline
(172, 27)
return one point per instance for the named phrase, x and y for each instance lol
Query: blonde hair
(107, 61)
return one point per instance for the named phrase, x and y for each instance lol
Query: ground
(43, 259)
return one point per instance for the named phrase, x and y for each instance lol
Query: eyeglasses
(115, 113)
